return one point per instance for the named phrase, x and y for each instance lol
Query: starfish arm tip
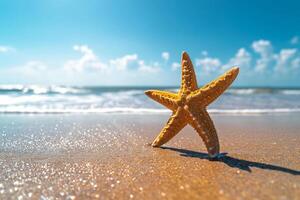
(147, 92)
(234, 72)
(235, 69)
(150, 93)
(185, 55)
(154, 144)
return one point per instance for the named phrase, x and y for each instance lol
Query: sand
(107, 156)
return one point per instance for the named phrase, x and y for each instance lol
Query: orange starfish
(189, 106)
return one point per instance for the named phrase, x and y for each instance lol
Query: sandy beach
(107, 156)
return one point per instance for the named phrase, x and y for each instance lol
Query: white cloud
(295, 40)
(33, 67)
(296, 63)
(123, 63)
(284, 58)
(88, 60)
(241, 59)
(279, 62)
(175, 66)
(132, 61)
(165, 55)
(130, 66)
(265, 49)
(5, 49)
(148, 68)
(209, 64)
(204, 53)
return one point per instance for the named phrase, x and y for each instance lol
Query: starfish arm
(214, 89)
(173, 126)
(188, 77)
(167, 99)
(202, 123)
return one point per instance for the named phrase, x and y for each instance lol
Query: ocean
(63, 99)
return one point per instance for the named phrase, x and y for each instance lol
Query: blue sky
(140, 42)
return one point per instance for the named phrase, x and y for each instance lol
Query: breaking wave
(32, 110)
(65, 99)
(36, 89)
(56, 89)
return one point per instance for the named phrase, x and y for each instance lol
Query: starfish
(188, 106)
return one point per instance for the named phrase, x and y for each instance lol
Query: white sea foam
(62, 99)
(11, 87)
(254, 111)
(291, 92)
(38, 89)
(33, 110)
(127, 110)
(250, 91)
(65, 90)
(241, 91)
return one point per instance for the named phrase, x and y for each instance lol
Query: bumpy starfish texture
(189, 106)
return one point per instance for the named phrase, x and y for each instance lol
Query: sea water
(66, 99)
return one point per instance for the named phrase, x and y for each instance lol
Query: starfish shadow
(233, 162)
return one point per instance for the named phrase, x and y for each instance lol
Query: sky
(139, 43)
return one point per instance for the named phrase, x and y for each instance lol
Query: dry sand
(108, 157)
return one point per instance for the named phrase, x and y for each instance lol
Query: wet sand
(107, 156)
